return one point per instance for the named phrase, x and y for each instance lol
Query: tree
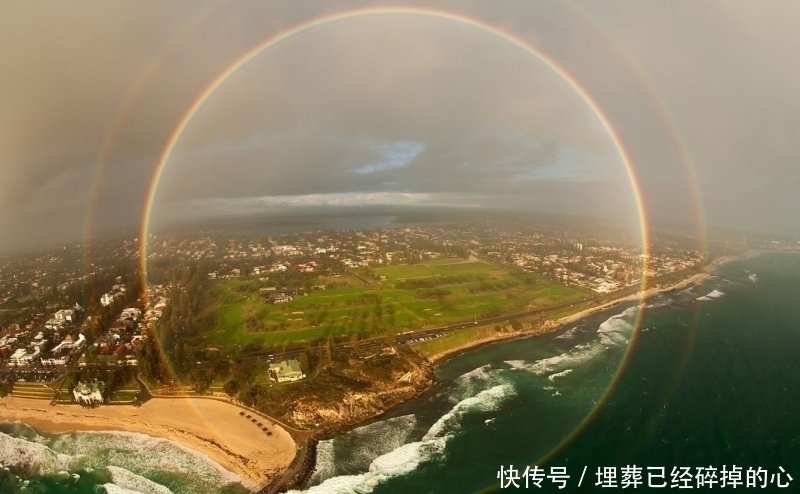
(201, 380)
(231, 387)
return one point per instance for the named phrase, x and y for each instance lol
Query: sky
(482, 106)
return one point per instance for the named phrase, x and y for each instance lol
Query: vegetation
(397, 299)
(210, 326)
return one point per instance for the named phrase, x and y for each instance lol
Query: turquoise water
(708, 383)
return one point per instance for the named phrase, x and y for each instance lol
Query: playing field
(399, 298)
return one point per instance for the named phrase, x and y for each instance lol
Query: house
(88, 394)
(286, 371)
(280, 298)
(64, 315)
(131, 313)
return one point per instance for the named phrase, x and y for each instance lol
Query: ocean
(705, 393)
(707, 389)
(32, 461)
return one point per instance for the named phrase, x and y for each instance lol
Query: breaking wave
(402, 460)
(659, 303)
(613, 332)
(130, 458)
(407, 457)
(568, 334)
(711, 295)
(125, 481)
(574, 357)
(553, 377)
(488, 400)
(361, 446)
(33, 458)
(325, 462)
(472, 382)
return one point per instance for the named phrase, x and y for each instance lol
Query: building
(280, 298)
(286, 371)
(130, 313)
(22, 357)
(64, 315)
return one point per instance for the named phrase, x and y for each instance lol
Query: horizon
(290, 109)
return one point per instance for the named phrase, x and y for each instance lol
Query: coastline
(212, 428)
(550, 326)
(540, 329)
(263, 463)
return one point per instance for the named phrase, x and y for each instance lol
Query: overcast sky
(397, 110)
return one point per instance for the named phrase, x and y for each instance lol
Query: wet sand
(211, 427)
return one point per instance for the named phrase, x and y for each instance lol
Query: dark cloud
(396, 109)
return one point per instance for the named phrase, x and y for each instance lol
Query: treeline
(176, 343)
(430, 282)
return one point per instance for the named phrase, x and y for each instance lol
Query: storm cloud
(396, 109)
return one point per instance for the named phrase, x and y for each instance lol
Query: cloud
(392, 155)
(390, 105)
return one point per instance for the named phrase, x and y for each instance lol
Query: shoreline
(229, 442)
(545, 328)
(210, 428)
(550, 326)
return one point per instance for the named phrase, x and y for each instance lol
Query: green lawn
(401, 298)
(454, 339)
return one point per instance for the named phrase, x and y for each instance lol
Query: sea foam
(140, 453)
(574, 357)
(115, 489)
(487, 400)
(473, 382)
(325, 463)
(553, 377)
(568, 335)
(130, 482)
(613, 332)
(363, 444)
(407, 457)
(711, 295)
(397, 462)
(137, 454)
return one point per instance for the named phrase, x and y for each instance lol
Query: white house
(131, 313)
(64, 315)
(286, 371)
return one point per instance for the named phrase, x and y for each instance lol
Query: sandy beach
(211, 427)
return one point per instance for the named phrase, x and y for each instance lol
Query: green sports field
(398, 298)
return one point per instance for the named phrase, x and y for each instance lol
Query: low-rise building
(286, 371)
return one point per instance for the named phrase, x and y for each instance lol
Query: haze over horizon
(397, 110)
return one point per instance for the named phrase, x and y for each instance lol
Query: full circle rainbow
(457, 18)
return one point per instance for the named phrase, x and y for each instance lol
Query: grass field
(400, 298)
